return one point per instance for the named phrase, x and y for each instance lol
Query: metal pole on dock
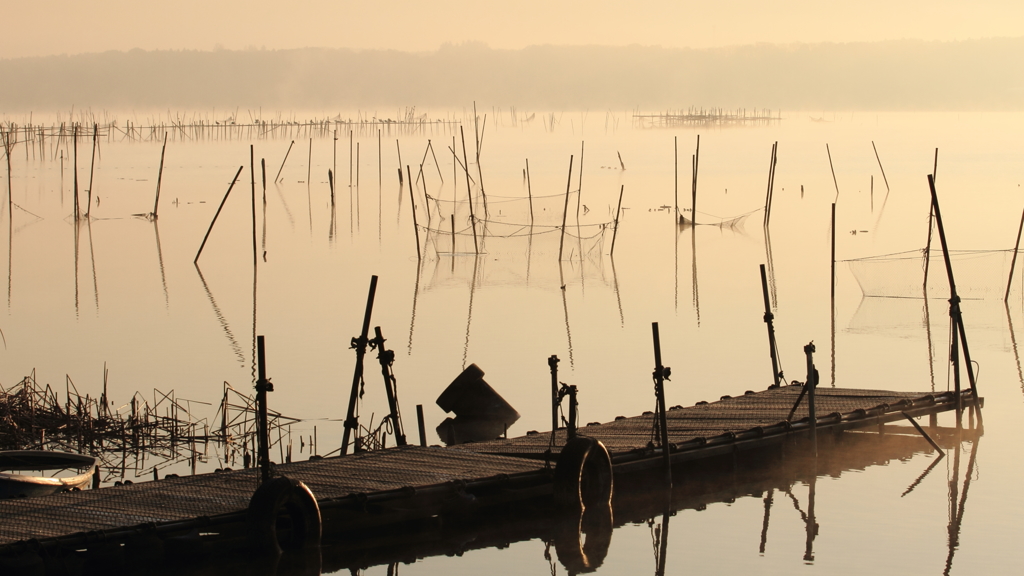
(422, 427)
(262, 387)
(769, 320)
(387, 358)
(359, 344)
(661, 373)
(553, 365)
(812, 383)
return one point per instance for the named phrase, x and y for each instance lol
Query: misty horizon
(889, 75)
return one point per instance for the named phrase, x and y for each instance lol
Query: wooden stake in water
(1013, 262)
(618, 211)
(880, 166)
(92, 165)
(415, 225)
(287, 152)
(469, 192)
(309, 163)
(696, 164)
(565, 211)
(675, 152)
(529, 193)
(160, 176)
(834, 181)
(219, 208)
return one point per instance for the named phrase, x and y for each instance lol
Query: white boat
(26, 473)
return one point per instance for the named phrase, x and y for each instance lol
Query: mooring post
(359, 345)
(661, 374)
(571, 429)
(387, 358)
(262, 387)
(769, 320)
(812, 382)
(422, 427)
(553, 365)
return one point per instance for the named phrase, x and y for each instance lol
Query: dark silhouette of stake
(359, 345)
(263, 386)
(219, 208)
(661, 373)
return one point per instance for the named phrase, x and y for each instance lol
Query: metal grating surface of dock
(729, 415)
(176, 499)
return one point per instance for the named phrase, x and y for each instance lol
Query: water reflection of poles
(92, 259)
(768, 501)
(957, 507)
(221, 318)
(565, 309)
(469, 315)
(812, 524)
(661, 539)
(77, 236)
(1013, 344)
(415, 296)
(618, 296)
(160, 259)
(696, 290)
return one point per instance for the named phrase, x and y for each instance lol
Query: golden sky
(76, 26)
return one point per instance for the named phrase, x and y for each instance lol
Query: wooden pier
(367, 494)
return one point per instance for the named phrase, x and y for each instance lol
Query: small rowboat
(42, 472)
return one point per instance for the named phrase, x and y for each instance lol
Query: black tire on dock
(583, 475)
(283, 515)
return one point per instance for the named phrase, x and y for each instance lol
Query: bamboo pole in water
(565, 211)
(415, 225)
(529, 189)
(469, 191)
(219, 208)
(289, 151)
(92, 165)
(159, 177)
(618, 211)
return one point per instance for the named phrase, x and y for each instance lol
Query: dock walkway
(408, 482)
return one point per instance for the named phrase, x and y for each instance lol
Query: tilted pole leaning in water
(359, 344)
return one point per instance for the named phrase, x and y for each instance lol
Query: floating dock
(370, 491)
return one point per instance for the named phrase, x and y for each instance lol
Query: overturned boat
(25, 473)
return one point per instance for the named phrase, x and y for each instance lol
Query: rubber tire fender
(283, 499)
(583, 475)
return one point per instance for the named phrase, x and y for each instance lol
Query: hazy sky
(75, 26)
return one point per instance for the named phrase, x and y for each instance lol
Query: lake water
(122, 290)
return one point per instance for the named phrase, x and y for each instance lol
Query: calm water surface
(122, 290)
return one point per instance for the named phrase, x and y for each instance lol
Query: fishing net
(734, 223)
(979, 274)
(508, 228)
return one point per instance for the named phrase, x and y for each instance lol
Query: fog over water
(917, 87)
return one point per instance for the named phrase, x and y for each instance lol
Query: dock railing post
(420, 423)
(661, 373)
(359, 345)
(262, 387)
(812, 383)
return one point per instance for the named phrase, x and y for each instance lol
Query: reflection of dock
(372, 490)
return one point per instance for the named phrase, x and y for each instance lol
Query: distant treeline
(891, 75)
